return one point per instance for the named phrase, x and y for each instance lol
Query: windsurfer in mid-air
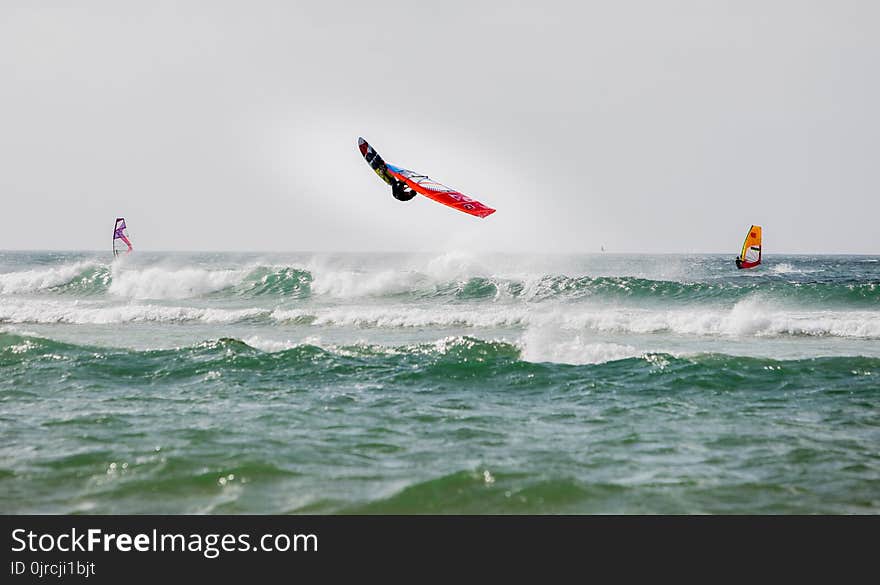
(405, 184)
(401, 190)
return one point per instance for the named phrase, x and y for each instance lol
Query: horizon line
(536, 253)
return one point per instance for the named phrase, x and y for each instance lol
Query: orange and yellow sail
(751, 250)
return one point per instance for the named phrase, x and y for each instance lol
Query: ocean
(438, 383)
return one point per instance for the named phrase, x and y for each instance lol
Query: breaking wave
(456, 354)
(750, 317)
(40, 279)
(159, 282)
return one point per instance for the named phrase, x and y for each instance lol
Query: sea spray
(437, 383)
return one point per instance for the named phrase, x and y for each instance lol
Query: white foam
(164, 283)
(402, 316)
(354, 284)
(41, 278)
(546, 345)
(535, 348)
(82, 313)
(455, 265)
(330, 279)
(272, 345)
(749, 317)
(786, 268)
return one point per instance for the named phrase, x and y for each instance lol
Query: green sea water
(447, 383)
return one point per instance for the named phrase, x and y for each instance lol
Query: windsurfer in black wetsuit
(401, 190)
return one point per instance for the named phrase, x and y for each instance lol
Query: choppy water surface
(228, 383)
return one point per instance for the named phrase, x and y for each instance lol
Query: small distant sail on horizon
(750, 256)
(121, 242)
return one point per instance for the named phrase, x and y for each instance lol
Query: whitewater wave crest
(161, 283)
(39, 279)
(444, 278)
(47, 312)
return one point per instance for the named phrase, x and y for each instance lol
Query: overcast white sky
(646, 126)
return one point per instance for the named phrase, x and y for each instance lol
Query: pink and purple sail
(121, 243)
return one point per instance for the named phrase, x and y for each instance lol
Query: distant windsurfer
(750, 256)
(119, 235)
(401, 190)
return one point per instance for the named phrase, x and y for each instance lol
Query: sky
(637, 125)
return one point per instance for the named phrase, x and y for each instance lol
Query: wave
(79, 313)
(483, 491)
(157, 282)
(27, 281)
(161, 283)
(624, 287)
(236, 354)
(444, 360)
(91, 279)
(545, 345)
(540, 288)
(751, 317)
(277, 281)
(748, 318)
